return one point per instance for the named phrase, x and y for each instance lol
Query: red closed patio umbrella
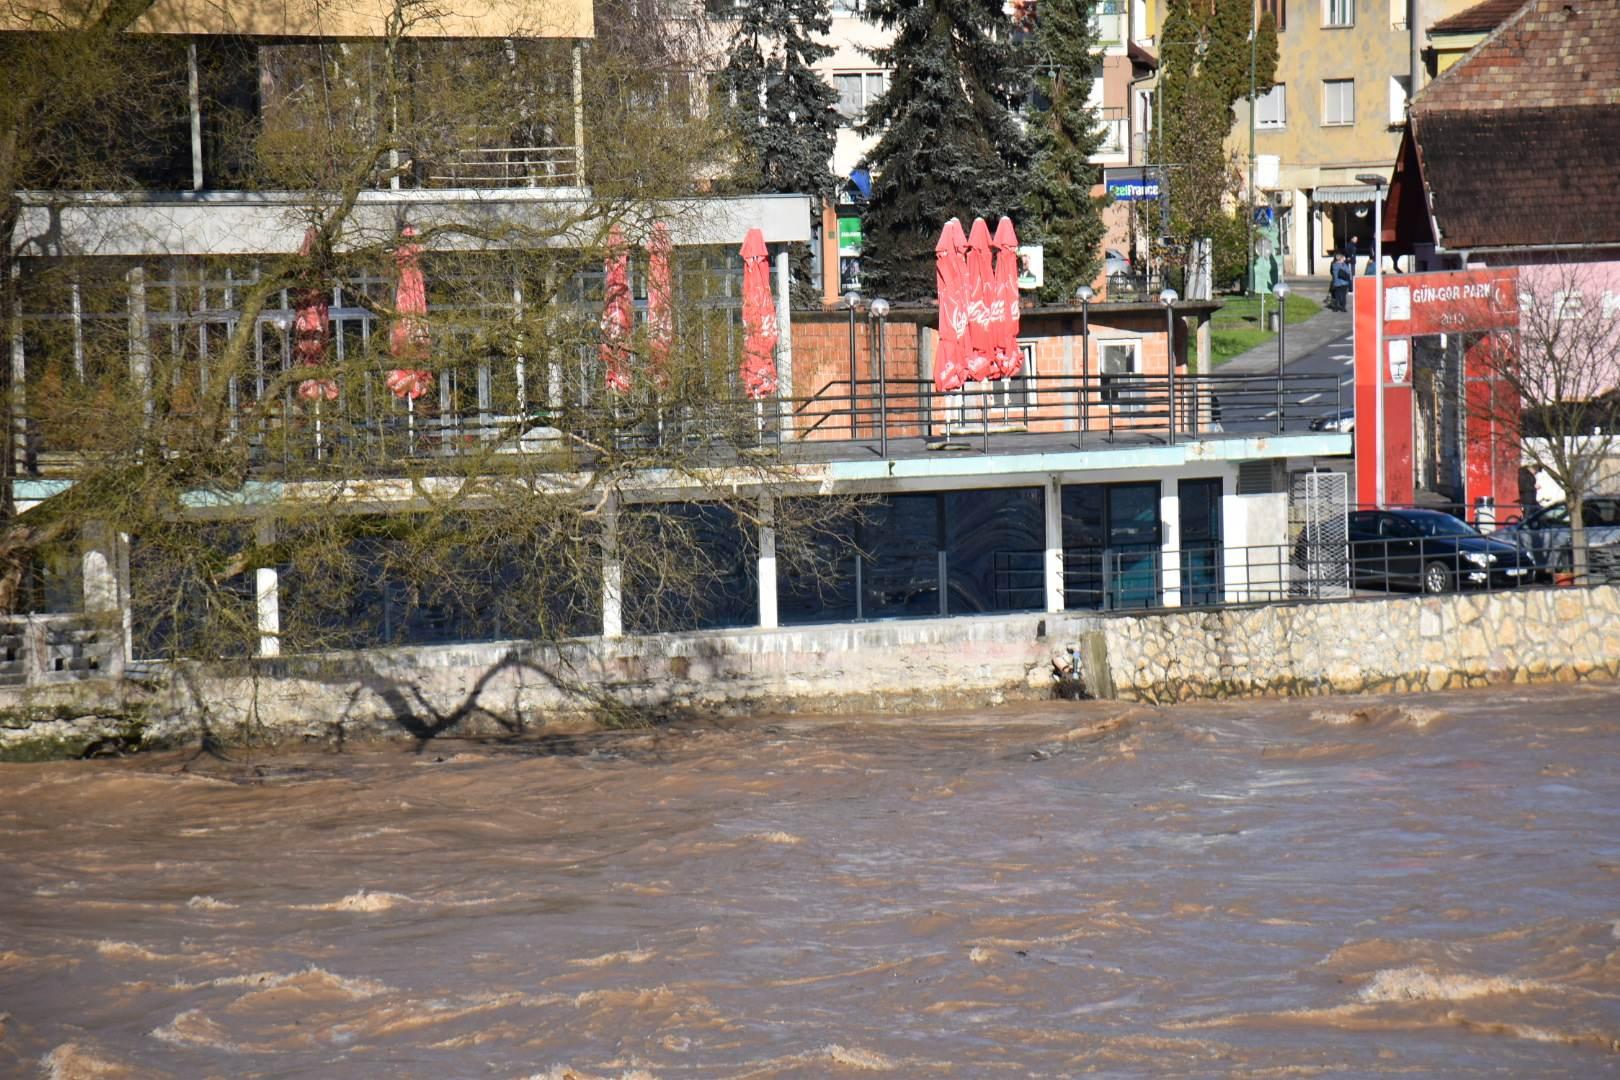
(759, 319)
(617, 314)
(312, 306)
(1005, 314)
(408, 337)
(950, 360)
(660, 304)
(981, 290)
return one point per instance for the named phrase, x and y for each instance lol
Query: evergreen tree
(1204, 72)
(783, 112)
(950, 144)
(1062, 215)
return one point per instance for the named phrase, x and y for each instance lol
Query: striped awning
(1345, 193)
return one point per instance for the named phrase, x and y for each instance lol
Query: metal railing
(507, 166)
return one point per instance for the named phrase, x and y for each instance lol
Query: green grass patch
(1236, 327)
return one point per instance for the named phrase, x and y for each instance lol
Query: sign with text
(1131, 185)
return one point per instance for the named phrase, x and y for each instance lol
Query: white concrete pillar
(1170, 549)
(267, 595)
(612, 573)
(767, 563)
(19, 378)
(104, 577)
(579, 115)
(140, 342)
(194, 96)
(1053, 505)
(784, 338)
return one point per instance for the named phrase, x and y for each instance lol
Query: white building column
(1053, 504)
(19, 379)
(104, 577)
(140, 342)
(784, 338)
(267, 593)
(1170, 549)
(612, 573)
(768, 619)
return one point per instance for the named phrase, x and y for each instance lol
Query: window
(840, 7)
(1270, 109)
(1278, 10)
(857, 90)
(1117, 365)
(1338, 101)
(1399, 86)
(1338, 12)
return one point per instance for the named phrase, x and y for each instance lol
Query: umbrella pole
(317, 429)
(759, 419)
(410, 425)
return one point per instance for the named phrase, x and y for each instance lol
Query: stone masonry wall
(1410, 643)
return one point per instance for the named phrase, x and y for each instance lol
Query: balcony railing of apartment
(1115, 123)
(507, 167)
(1109, 20)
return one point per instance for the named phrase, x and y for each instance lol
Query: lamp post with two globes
(1168, 298)
(1085, 294)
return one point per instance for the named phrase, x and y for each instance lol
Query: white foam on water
(628, 956)
(363, 901)
(1418, 984)
(208, 903)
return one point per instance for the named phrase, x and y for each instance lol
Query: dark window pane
(900, 576)
(995, 544)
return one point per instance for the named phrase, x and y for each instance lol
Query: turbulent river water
(1417, 885)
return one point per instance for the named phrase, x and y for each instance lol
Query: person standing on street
(1339, 278)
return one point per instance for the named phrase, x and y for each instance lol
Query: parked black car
(1546, 533)
(1435, 552)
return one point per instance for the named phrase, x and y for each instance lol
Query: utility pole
(1254, 42)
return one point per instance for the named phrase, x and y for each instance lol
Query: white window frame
(1263, 119)
(872, 83)
(1338, 13)
(1344, 119)
(1121, 389)
(1397, 99)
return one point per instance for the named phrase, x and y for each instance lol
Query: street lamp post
(880, 312)
(1378, 182)
(1280, 290)
(853, 300)
(1085, 294)
(1168, 298)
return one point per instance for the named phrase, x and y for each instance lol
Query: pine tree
(783, 112)
(950, 144)
(1062, 215)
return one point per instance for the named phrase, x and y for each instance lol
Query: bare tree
(497, 494)
(1557, 380)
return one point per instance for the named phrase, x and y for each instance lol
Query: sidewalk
(1303, 337)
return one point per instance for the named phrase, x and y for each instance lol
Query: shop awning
(1345, 193)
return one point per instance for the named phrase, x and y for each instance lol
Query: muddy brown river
(1353, 886)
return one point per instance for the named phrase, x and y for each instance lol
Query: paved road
(1319, 346)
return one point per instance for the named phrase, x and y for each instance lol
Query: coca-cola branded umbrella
(759, 319)
(408, 337)
(1005, 314)
(950, 359)
(617, 314)
(660, 304)
(312, 306)
(981, 290)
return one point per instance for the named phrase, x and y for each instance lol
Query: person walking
(1340, 275)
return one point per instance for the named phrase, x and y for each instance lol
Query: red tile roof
(1519, 141)
(1481, 18)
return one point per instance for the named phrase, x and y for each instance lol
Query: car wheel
(1436, 578)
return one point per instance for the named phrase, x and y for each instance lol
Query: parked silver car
(1547, 533)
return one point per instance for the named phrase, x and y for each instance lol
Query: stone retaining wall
(1409, 643)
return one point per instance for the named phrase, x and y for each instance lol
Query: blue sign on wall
(1134, 190)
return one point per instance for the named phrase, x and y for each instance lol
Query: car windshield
(1438, 524)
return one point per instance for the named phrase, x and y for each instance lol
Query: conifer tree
(1062, 215)
(783, 112)
(950, 144)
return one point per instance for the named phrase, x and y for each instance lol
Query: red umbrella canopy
(408, 337)
(617, 314)
(660, 303)
(312, 307)
(1005, 314)
(981, 291)
(759, 319)
(950, 362)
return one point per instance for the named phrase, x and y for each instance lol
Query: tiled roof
(1522, 177)
(1519, 141)
(1481, 18)
(1550, 53)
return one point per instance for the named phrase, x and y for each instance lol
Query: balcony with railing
(1114, 121)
